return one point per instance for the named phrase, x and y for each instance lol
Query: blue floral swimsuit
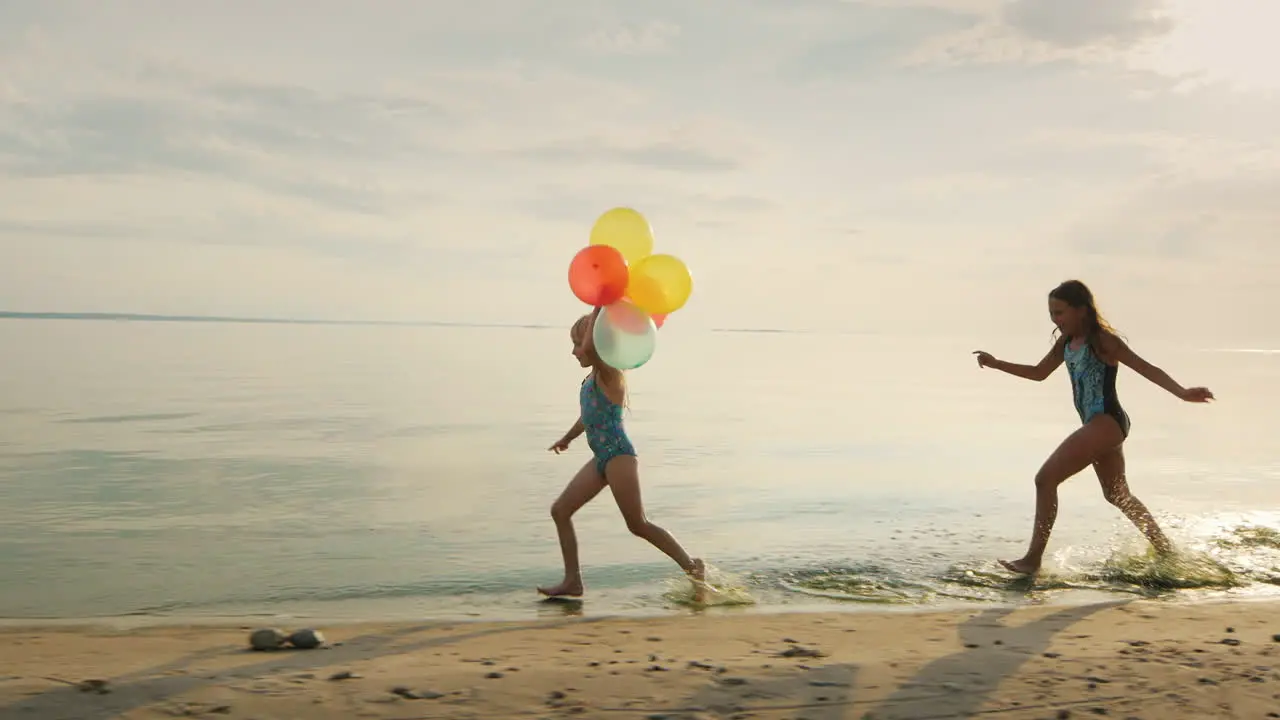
(602, 420)
(1093, 385)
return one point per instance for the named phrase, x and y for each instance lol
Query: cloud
(864, 38)
(1044, 32)
(672, 153)
(649, 38)
(1220, 219)
(425, 160)
(1088, 22)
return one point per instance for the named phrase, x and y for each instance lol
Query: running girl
(1093, 354)
(601, 399)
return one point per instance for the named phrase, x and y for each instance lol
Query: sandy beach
(1127, 659)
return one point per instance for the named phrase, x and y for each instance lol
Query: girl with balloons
(617, 335)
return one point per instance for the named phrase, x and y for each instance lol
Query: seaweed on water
(1251, 536)
(867, 584)
(1184, 571)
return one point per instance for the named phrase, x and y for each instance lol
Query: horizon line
(251, 320)
(240, 319)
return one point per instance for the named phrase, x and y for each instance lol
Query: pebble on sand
(100, 687)
(306, 639)
(267, 639)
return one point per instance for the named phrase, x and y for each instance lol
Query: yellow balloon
(624, 229)
(660, 284)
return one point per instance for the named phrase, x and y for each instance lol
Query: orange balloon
(598, 275)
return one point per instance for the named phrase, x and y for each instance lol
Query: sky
(873, 165)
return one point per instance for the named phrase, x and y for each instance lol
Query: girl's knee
(1046, 479)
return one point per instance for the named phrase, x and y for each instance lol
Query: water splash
(729, 590)
(1188, 570)
(1229, 559)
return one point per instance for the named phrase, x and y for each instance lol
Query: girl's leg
(581, 489)
(623, 476)
(1078, 451)
(1115, 488)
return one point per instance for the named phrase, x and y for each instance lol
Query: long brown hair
(1078, 295)
(584, 328)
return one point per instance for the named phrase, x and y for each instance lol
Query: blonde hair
(581, 332)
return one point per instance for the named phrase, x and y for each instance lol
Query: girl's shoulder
(1109, 346)
(613, 386)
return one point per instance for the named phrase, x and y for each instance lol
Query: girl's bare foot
(568, 588)
(699, 576)
(1022, 566)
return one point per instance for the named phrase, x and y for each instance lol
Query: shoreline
(542, 609)
(1127, 657)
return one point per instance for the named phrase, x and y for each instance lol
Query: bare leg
(581, 489)
(623, 473)
(1077, 452)
(1115, 488)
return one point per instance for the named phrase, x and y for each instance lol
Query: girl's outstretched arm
(1037, 372)
(1119, 351)
(589, 338)
(574, 431)
(562, 444)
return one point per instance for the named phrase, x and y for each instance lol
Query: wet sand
(1129, 659)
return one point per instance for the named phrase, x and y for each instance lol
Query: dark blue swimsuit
(1093, 385)
(602, 420)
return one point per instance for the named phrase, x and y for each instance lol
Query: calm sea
(200, 469)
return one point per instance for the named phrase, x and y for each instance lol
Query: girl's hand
(1196, 394)
(984, 359)
(559, 446)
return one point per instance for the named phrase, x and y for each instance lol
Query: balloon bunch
(637, 290)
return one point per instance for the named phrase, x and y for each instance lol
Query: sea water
(207, 469)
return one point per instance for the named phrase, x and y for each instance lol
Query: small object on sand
(798, 651)
(306, 639)
(267, 639)
(404, 692)
(1275, 638)
(344, 675)
(94, 686)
